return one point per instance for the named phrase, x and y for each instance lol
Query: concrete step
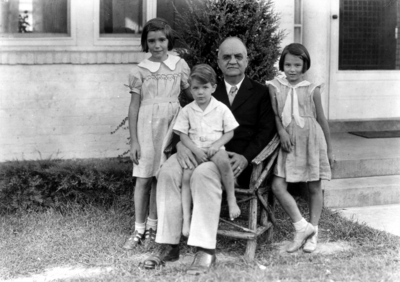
(362, 191)
(363, 157)
(364, 125)
(354, 168)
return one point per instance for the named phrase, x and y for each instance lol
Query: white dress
(159, 85)
(308, 160)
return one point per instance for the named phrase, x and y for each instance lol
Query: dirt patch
(323, 248)
(68, 272)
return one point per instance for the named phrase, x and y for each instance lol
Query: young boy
(205, 126)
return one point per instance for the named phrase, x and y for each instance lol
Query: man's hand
(185, 157)
(238, 163)
(134, 154)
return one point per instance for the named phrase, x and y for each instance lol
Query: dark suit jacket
(253, 111)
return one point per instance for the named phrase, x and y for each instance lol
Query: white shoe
(300, 238)
(311, 244)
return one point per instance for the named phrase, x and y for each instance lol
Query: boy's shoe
(149, 238)
(300, 238)
(133, 240)
(311, 244)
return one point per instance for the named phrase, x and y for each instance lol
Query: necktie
(290, 111)
(232, 94)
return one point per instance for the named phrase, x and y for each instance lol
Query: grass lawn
(91, 237)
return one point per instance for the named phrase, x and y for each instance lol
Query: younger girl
(154, 84)
(306, 153)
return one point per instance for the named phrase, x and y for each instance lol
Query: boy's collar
(211, 106)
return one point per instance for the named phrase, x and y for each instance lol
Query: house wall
(65, 111)
(62, 98)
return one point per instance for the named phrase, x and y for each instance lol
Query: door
(364, 60)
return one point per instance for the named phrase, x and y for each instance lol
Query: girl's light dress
(158, 85)
(308, 160)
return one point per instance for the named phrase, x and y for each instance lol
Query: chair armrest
(267, 170)
(267, 151)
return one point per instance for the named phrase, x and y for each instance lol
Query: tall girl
(306, 153)
(154, 84)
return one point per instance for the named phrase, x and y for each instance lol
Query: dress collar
(170, 62)
(285, 82)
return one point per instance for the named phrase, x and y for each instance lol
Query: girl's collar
(170, 62)
(284, 81)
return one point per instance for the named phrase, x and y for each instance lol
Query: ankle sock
(300, 225)
(151, 224)
(140, 227)
(208, 251)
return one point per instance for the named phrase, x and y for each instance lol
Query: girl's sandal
(149, 238)
(133, 240)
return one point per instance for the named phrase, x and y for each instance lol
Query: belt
(159, 101)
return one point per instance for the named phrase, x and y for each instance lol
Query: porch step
(353, 168)
(366, 172)
(364, 157)
(364, 125)
(362, 191)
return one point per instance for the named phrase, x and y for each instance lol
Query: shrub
(203, 26)
(37, 185)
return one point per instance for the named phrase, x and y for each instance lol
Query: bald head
(230, 40)
(232, 59)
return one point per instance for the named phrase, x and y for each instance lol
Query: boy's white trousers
(206, 188)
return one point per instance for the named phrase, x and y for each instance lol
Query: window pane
(368, 38)
(297, 12)
(33, 16)
(297, 34)
(121, 17)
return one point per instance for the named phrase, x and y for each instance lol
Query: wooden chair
(259, 196)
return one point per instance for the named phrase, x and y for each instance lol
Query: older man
(250, 104)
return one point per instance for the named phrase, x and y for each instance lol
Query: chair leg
(250, 250)
(252, 244)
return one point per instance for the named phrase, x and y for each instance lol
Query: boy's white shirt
(207, 120)
(170, 62)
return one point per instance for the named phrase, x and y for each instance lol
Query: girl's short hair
(204, 74)
(157, 24)
(296, 49)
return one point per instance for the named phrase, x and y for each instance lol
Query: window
(298, 21)
(120, 22)
(33, 18)
(121, 17)
(368, 35)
